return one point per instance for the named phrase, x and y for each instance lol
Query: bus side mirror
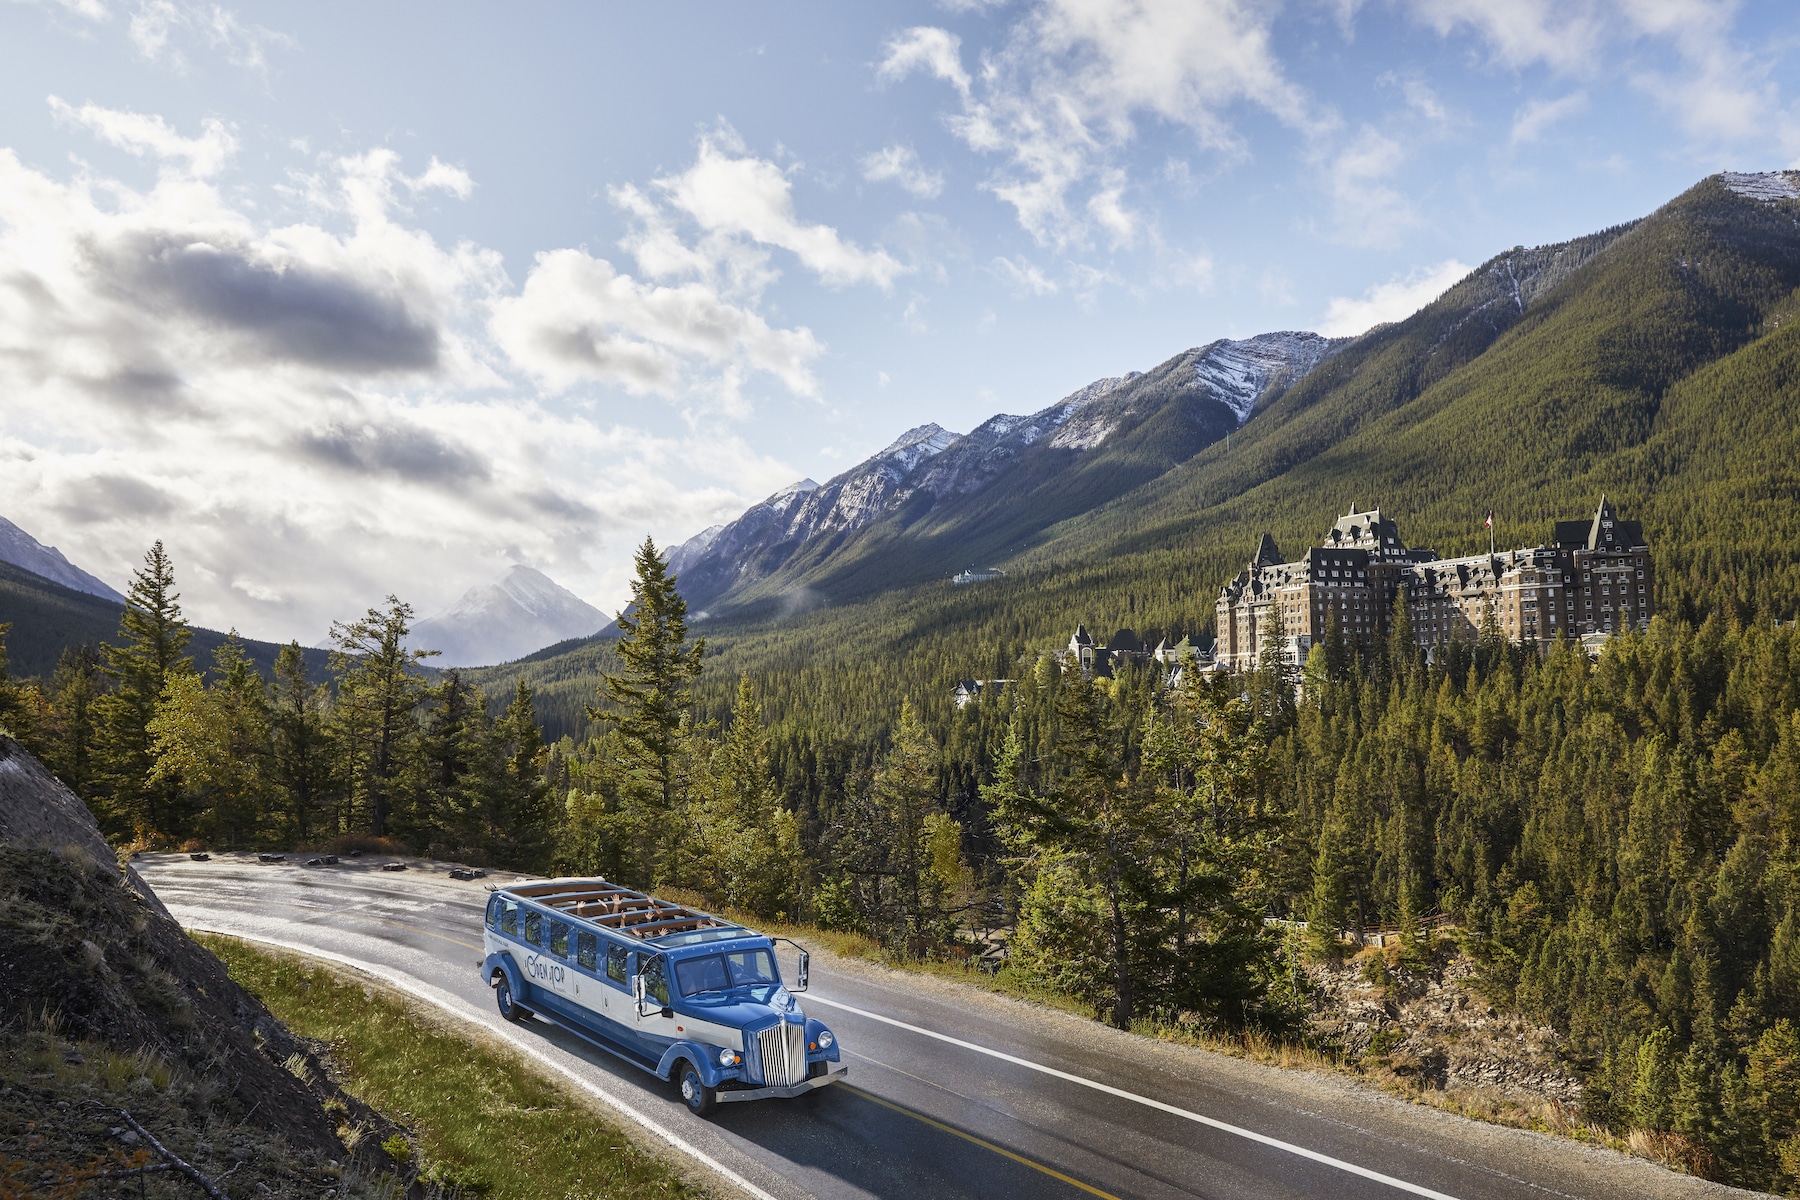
(805, 971)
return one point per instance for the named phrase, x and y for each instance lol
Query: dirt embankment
(1420, 1019)
(107, 1005)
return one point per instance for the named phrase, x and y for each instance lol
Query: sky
(342, 301)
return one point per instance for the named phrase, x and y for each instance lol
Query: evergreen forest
(1614, 839)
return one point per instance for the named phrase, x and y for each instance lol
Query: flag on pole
(1490, 521)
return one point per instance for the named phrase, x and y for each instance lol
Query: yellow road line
(1089, 1188)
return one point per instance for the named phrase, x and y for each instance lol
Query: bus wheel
(700, 1099)
(510, 1008)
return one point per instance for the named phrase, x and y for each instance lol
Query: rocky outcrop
(1429, 1026)
(115, 969)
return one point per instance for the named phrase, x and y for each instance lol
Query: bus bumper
(838, 1071)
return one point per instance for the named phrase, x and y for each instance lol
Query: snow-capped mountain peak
(1238, 373)
(522, 611)
(915, 445)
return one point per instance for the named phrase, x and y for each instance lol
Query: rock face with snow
(22, 550)
(522, 611)
(1009, 472)
(1763, 185)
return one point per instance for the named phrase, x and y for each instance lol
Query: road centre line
(456, 1009)
(1121, 1093)
(984, 1144)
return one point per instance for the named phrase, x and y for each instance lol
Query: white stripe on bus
(1121, 1093)
(458, 1008)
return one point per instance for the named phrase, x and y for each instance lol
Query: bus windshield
(718, 972)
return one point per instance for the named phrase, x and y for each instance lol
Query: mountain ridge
(26, 552)
(929, 476)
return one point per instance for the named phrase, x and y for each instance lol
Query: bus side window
(617, 969)
(584, 950)
(534, 927)
(493, 913)
(509, 917)
(559, 939)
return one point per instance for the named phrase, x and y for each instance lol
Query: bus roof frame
(617, 905)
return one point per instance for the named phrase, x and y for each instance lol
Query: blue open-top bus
(681, 993)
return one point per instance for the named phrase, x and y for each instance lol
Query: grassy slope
(1638, 373)
(481, 1118)
(48, 618)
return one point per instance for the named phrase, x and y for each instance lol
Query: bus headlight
(825, 1039)
(729, 1057)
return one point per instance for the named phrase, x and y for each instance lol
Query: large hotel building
(1595, 577)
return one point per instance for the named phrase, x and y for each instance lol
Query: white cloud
(1564, 34)
(691, 327)
(901, 165)
(578, 319)
(313, 414)
(1060, 101)
(1535, 116)
(1394, 300)
(727, 192)
(1369, 209)
(1720, 92)
(1024, 278)
(156, 24)
(151, 135)
(925, 48)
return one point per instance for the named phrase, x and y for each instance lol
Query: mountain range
(1657, 361)
(522, 611)
(934, 501)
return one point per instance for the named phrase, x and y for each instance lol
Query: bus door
(657, 1023)
(555, 964)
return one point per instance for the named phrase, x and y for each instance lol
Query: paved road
(951, 1093)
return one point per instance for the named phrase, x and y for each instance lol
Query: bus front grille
(782, 1049)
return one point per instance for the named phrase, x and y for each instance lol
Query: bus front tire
(699, 1098)
(510, 1008)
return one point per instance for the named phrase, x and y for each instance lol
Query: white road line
(456, 1008)
(1121, 1093)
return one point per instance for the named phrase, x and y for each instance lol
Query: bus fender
(706, 1059)
(502, 963)
(814, 1027)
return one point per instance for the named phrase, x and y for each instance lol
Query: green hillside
(1653, 362)
(48, 618)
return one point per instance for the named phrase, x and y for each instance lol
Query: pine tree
(749, 844)
(15, 711)
(152, 638)
(1091, 822)
(528, 822)
(648, 703)
(213, 744)
(378, 693)
(67, 737)
(1205, 756)
(300, 768)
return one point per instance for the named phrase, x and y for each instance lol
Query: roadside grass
(483, 1122)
